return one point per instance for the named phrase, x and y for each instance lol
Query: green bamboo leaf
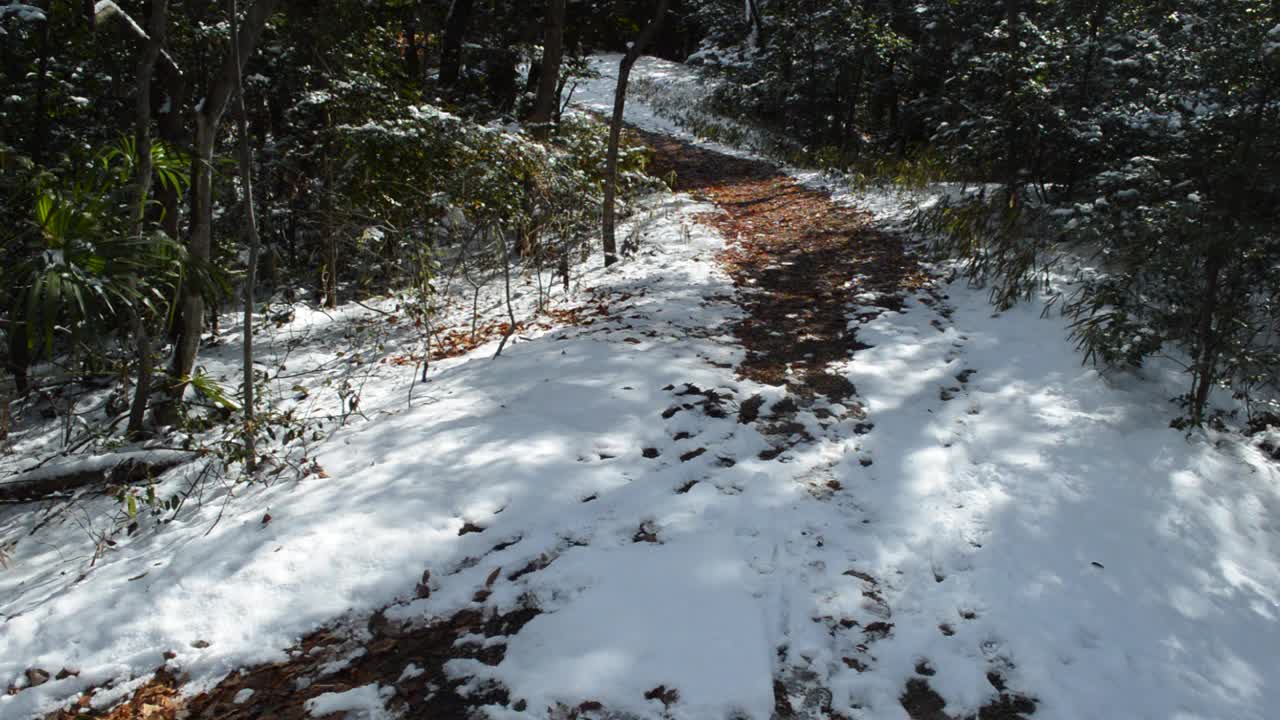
(210, 389)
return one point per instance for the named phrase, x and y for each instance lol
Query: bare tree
(615, 130)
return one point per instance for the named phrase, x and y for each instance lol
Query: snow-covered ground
(1010, 511)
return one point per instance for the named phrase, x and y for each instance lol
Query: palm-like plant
(79, 269)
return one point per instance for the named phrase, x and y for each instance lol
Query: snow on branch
(24, 12)
(104, 10)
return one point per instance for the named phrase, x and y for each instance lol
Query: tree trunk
(755, 28)
(455, 29)
(156, 26)
(329, 281)
(19, 360)
(331, 276)
(170, 129)
(1013, 123)
(1204, 372)
(1096, 17)
(1210, 331)
(544, 103)
(607, 222)
(199, 244)
(251, 229)
(40, 146)
(412, 69)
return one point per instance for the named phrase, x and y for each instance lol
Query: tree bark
(607, 222)
(41, 145)
(1205, 369)
(455, 29)
(121, 469)
(412, 68)
(170, 129)
(755, 28)
(329, 278)
(208, 117)
(19, 360)
(156, 25)
(544, 103)
(251, 229)
(1097, 16)
(1013, 122)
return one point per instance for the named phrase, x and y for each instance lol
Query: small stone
(37, 676)
(423, 591)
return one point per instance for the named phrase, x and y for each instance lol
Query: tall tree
(455, 29)
(544, 103)
(634, 49)
(251, 233)
(208, 118)
(157, 24)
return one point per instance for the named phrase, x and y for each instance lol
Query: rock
(423, 591)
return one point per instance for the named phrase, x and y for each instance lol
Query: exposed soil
(336, 660)
(798, 260)
(922, 702)
(800, 264)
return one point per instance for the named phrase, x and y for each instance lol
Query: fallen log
(114, 469)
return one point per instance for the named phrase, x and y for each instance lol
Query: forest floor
(792, 260)
(774, 465)
(791, 263)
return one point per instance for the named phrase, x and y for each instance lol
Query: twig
(373, 309)
(506, 283)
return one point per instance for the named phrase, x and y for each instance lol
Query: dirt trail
(800, 264)
(799, 260)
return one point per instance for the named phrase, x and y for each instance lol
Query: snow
(363, 703)
(1042, 511)
(105, 9)
(94, 464)
(23, 11)
(1039, 469)
(693, 622)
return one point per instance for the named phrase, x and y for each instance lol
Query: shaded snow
(362, 703)
(1045, 514)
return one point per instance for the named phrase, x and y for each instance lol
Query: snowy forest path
(799, 261)
(777, 464)
(808, 272)
(738, 507)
